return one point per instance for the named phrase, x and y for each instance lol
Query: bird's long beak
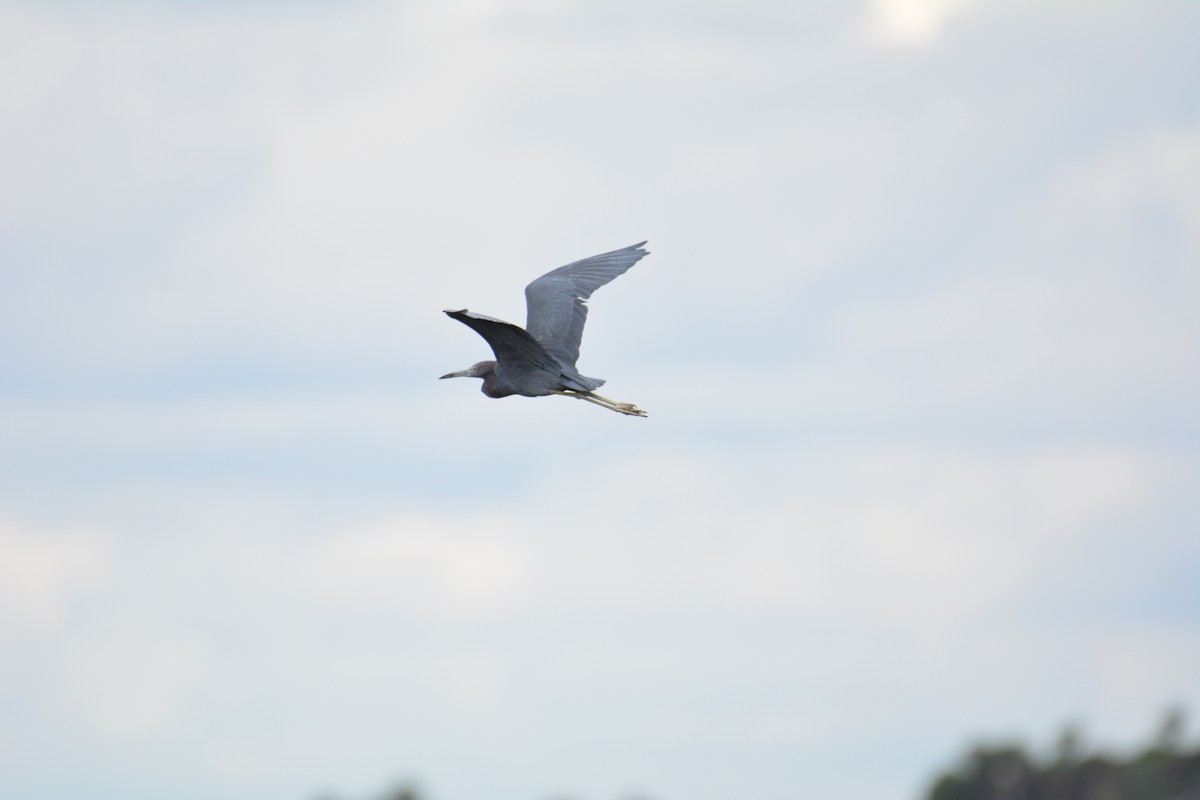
(462, 373)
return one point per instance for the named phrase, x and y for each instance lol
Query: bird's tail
(581, 383)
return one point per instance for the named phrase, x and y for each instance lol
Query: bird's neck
(492, 386)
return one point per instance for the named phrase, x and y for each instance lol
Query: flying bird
(539, 360)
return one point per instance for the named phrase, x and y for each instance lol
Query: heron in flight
(539, 360)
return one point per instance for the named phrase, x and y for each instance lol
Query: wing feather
(514, 348)
(556, 303)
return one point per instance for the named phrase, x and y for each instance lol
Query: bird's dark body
(497, 384)
(539, 360)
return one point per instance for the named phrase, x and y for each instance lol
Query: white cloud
(41, 576)
(910, 23)
(424, 568)
(639, 592)
(1088, 295)
(129, 687)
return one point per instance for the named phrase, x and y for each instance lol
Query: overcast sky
(918, 338)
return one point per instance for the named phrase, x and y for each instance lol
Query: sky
(917, 338)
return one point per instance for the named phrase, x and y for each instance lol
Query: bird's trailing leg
(603, 402)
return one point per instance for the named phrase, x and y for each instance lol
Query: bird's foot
(628, 408)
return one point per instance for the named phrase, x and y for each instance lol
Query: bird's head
(480, 370)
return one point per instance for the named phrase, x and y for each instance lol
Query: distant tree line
(1167, 769)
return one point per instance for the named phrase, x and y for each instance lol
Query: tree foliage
(1164, 770)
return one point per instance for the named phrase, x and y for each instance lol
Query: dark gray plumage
(540, 359)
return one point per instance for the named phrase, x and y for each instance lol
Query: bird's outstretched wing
(556, 305)
(514, 348)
